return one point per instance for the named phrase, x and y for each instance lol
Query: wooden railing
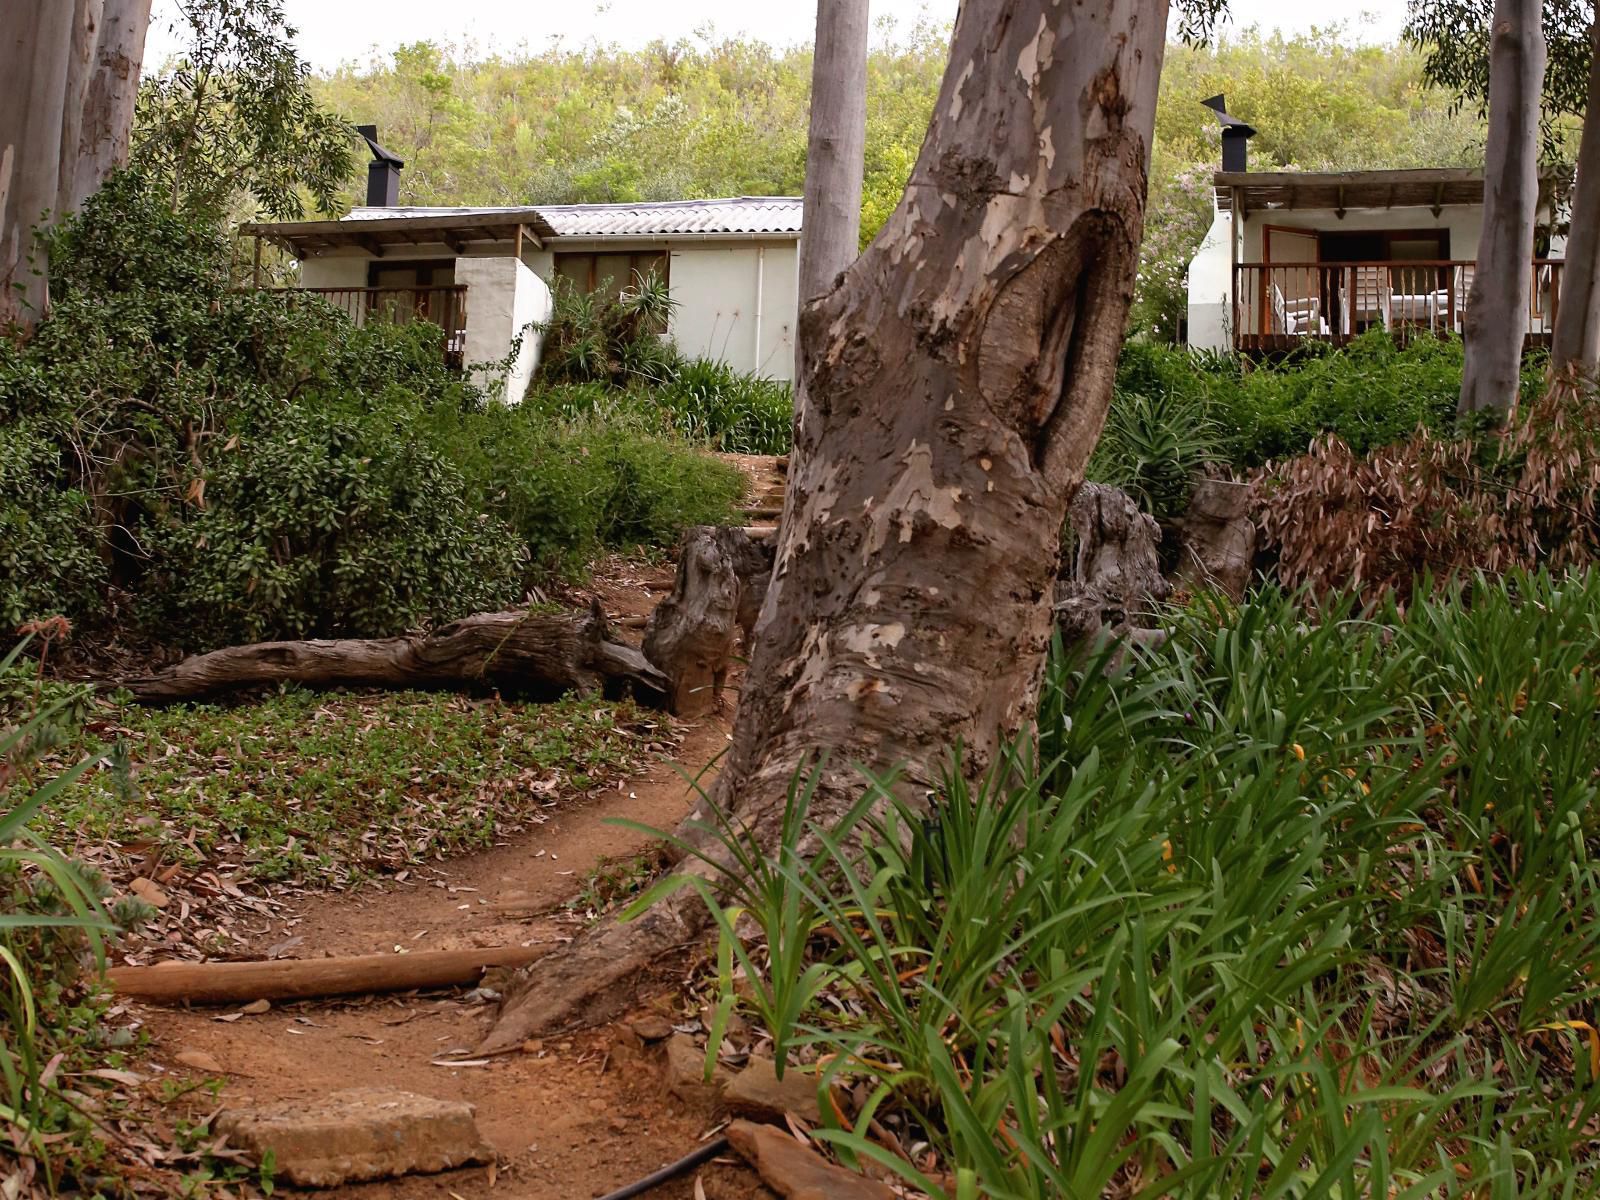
(1277, 305)
(445, 307)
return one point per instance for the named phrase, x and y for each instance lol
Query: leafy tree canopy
(1455, 36)
(233, 123)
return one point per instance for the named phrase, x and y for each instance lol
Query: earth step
(757, 1092)
(770, 512)
(795, 1172)
(358, 1135)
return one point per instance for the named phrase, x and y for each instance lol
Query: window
(610, 273)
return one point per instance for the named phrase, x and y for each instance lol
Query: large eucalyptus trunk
(1497, 308)
(836, 148)
(71, 76)
(35, 46)
(957, 380)
(1577, 335)
(102, 87)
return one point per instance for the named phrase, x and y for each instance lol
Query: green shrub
(1153, 446)
(261, 467)
(1284, 907)
(606, 355)
(318, 524)
(1369, 393)
(741, 414)
(49, 560)
(572, 488)
(616, 339)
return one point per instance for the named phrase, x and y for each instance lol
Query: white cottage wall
(504, 299)
(1211, 286)
(736, 304)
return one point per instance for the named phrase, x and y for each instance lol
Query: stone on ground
(356, 1135)
(797, 1173)
(757, 1092)
(686, 1071)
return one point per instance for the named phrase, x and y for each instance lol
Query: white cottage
(484, 274)
(1293, 255)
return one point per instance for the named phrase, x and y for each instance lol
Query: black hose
(704, 1154)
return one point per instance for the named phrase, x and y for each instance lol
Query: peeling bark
(953, 388)
(1497, 307)
(35, 47)
(71, 72)
(100, 96)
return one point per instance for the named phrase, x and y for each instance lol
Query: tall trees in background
(1577, 335)
(957, 378)
(1497, 308)
(235, 118)
(72, 72)
(1456, 36)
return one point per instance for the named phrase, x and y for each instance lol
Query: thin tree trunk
(1577, 334)
(35, 45)
(101, 97)
(1497, 309)
(835, 153)
(958, 379)
(303, 979)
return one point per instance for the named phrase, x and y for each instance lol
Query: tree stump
(1217, 550)
(722, 577)
(1116, 572)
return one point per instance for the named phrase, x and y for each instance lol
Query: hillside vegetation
(728, 117)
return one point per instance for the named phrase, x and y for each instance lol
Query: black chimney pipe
(383, 172)
(1236, 136)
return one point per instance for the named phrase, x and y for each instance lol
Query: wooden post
(255, 266)
(519, 241)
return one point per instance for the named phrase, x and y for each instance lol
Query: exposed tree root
(589, 979)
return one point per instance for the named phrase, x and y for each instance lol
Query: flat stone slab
(686, 1072)
(757, 1092)
(356, 1135)
(795, 1172)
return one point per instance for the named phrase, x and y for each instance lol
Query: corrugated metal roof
(661, 218)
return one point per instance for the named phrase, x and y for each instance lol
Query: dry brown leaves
(1521, 497)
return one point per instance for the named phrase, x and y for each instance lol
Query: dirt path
(576, 1117)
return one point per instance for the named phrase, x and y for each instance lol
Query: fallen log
(305, 979)
(523, 651)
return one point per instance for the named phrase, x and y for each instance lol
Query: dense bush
(572, 485)
(1369, 393)
(250, 465)
(607, 356)
(48, 558)
(1284, 907)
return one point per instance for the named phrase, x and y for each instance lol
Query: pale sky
(335, 31)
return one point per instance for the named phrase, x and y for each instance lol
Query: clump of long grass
(1288, 907)
(52, 920)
